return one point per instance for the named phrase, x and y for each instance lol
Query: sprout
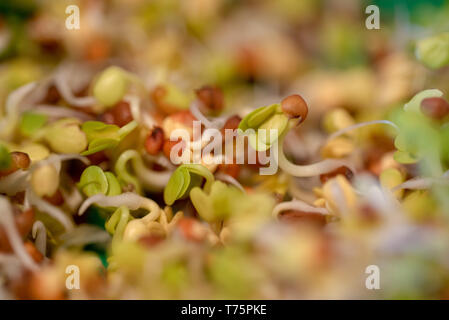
(31, 122)
(65, 136)
(151, 180)
(418, 137)
(215, 205)
(101, 136)
(117, 223)
(118, 220)
(265, 126)
(183, 179)
(299, 206)
(434, 51)
(128, 199)
(5, 158)
(273, 119)
(111, 86)
(94, 180)
(415, 103)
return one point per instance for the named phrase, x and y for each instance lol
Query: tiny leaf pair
(101, 136)
(94, 180)
(217, 204)
(183, 179)
(264, 126)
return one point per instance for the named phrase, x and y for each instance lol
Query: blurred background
(259, 51)
(255, 50)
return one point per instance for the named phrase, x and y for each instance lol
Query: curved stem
(360, 125)
(130, 200)
(309, 170)
(297, 205)
(152, 180)
(14, 238)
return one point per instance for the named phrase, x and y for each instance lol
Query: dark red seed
(345, 171)
(436, 108)
(120, 114)
(211, 97)
(294, 106)
(154, 141)
(232, 123)
(168, 145)
(19, 160)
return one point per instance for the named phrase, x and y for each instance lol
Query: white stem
(14, 182)
(50, 209)
(360, 125)
(130, 200)
(422, 183)
(152, 180)
(57, 112)
(217, 123)
(15, 240)
(66, 92)
(299, 206)
(15, 98)
(310, 170)
(39, 233)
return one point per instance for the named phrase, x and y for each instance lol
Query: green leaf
(217, 204)
(256, 117)
(183, 179)
(126, 129)
(93, 181)
(201, 171)
(177, 185)
(267, 118)
(99, 145)
(98, 129)
(259, 116)
(114, 188)
(103, 136)
(31, 122)
(404, 157)
(5, 158)
(117, 222)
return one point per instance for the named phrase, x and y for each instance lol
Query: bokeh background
(259, 51)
